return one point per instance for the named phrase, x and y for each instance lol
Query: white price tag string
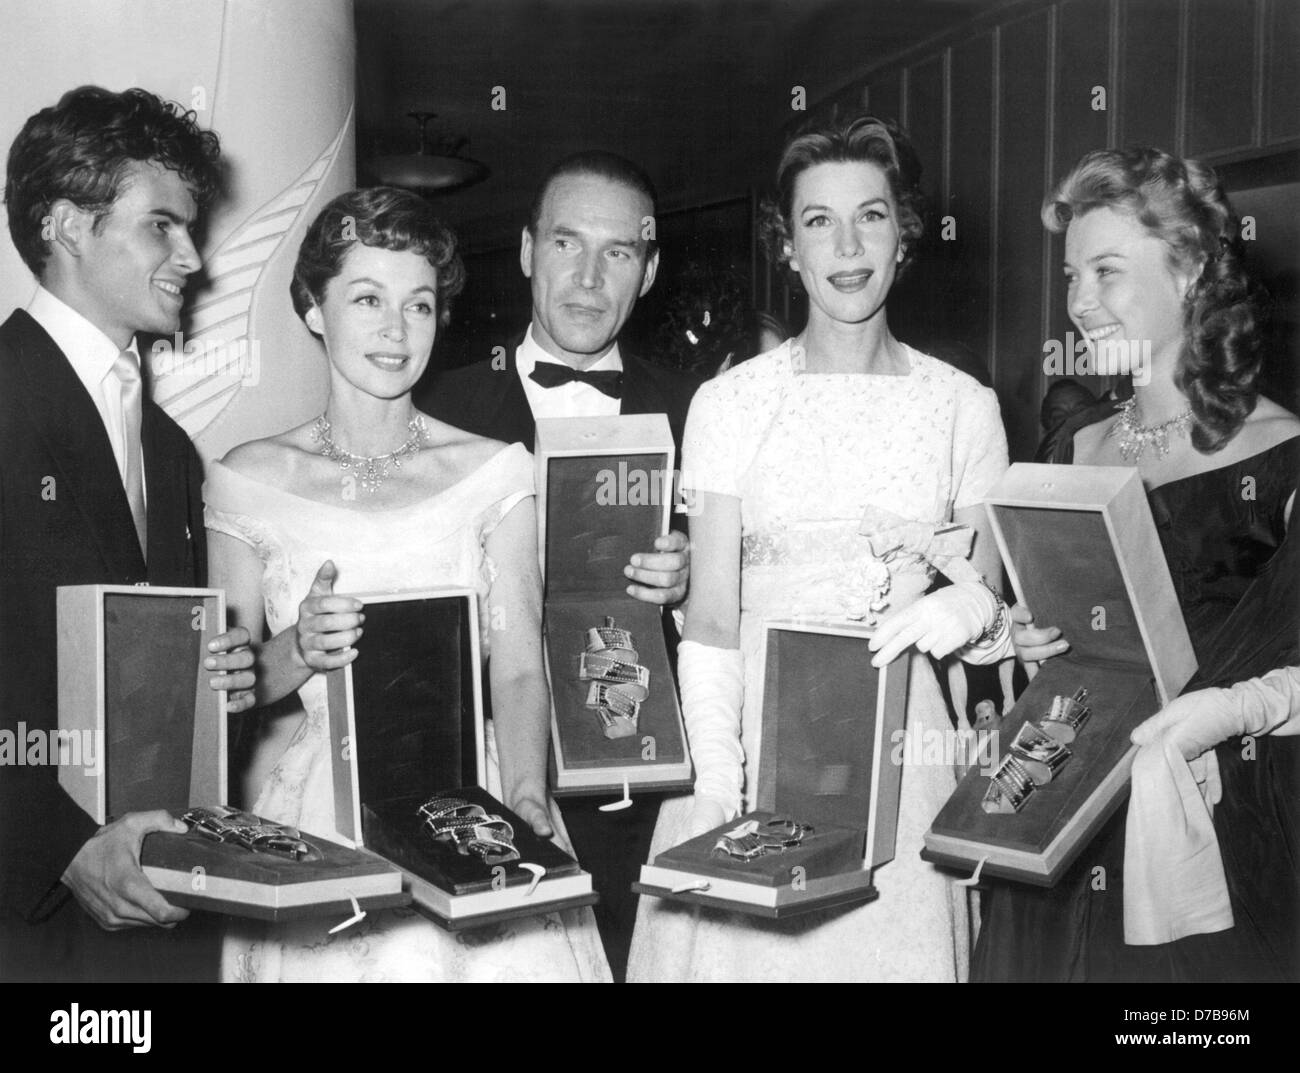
(538, 871)
(626, 801)
(975, 878)
(358, 914)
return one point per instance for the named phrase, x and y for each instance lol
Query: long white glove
(943, 622)
(1174, 883)
(1196, 722)
(712, 681)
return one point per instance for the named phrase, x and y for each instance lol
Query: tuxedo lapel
(167, 486)
(641, 395)
(512, 415)
(65, 419)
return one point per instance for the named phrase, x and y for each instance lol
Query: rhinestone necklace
(371, 469)
(1135, 437)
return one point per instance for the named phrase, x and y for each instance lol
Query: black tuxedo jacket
(65, 520)
(491, 401)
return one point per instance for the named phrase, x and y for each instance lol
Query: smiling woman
(786, 456)
(376, 496)
(1155, 262)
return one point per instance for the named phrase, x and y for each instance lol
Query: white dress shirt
(91, 354)
(565, 400)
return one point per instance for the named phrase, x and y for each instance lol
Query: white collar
(90, 352)
(530, 352)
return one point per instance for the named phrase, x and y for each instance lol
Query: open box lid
(1082, 552)
(832, 725)
(604, 493)
(131, 674)
(406, 714)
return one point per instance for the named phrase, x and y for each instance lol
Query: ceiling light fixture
(439, 168)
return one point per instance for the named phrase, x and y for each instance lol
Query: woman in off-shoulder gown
(291, 528)
(1220, 464)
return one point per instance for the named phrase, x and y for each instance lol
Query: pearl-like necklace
(372, 470)
(1135, 437)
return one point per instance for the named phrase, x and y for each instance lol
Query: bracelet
(995, 628)
(230, 825)
(598, 666)
(752, 840)
(1067, 716)
(1042, 756)
(470, 828)
(1037, 755)
(618, 682)
(613, 641)
(1009, 788)
(617, 712)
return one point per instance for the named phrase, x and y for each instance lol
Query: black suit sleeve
(41, 827)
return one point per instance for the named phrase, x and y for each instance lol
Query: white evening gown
(439, 541)
(806, 455)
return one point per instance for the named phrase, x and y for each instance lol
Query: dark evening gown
(1237, 577)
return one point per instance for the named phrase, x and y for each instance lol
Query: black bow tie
(551, 374)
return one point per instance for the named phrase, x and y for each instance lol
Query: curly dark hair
(80, 149)
(383, 217)
(860, 139)
(1182, 203)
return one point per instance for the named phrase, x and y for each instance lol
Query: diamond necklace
(1135, 437)
(371, 469)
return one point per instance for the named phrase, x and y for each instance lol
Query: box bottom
(454, 912)
(275, 903)
(775, 903)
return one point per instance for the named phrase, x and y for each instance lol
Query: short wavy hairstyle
(1182, 203)
(81, 148)
(385, 218)
(861, 139)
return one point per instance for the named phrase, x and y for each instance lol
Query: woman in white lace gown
(783, 456)
(397, 501)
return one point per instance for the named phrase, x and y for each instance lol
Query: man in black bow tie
(589, 251)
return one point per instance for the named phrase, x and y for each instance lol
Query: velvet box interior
(603, 502)
(134, 698)
(830, 724)
(1083, 554)
(405, 719)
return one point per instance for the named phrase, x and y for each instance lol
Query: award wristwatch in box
(605, 491)
(1081, 548)
(827, 789)
(134, 700)
(410, 764)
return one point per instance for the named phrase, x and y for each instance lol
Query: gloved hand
(940, 623)
(1198, 721)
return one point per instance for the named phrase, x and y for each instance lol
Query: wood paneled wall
(1001, 109)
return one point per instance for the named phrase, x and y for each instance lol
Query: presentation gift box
(829, 768)
(134, 700)
(1081, 548)
(409, 758)
(240, 864)
(605, 492)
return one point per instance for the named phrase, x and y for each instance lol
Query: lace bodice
(806, 454)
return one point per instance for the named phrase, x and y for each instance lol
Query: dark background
(999, 98)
